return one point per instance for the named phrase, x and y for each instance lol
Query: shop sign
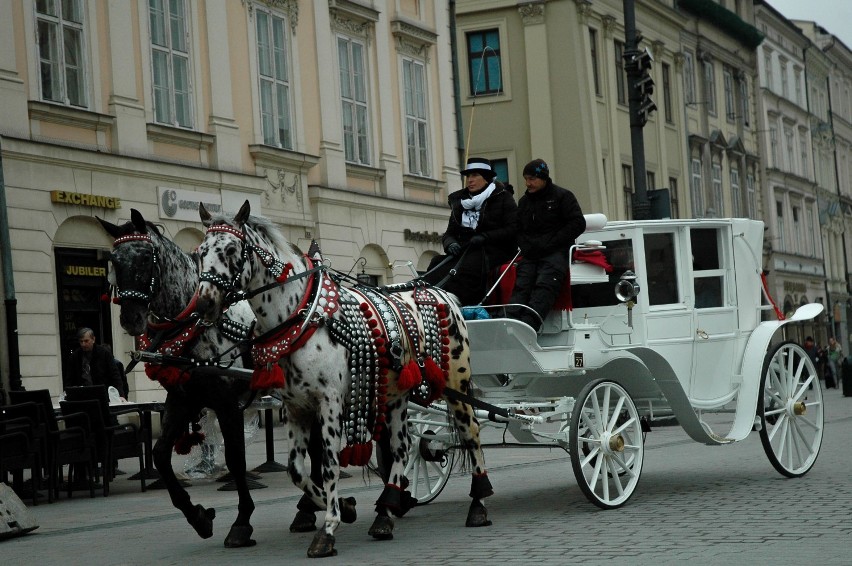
(97, 201)
(432, 237)
(85, 271)
(180, 204)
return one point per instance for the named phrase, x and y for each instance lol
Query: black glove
(454, 249)
(477, 240)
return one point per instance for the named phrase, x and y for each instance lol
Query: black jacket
(549, 220)
(102, 366)
(497, 222)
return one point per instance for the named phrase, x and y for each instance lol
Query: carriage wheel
(606, 444)
(791, 410)
(434, 443)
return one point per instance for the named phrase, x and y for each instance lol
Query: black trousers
(537, 284)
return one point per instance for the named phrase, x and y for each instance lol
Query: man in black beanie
(549, 221)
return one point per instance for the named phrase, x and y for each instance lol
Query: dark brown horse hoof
(322, 545)
(382, 528)
(203, 521)
(303, 522)
(348, 513)
(477, 516)
(240, 536)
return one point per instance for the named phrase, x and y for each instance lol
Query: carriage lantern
(625, 291)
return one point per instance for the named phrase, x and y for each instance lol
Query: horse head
(240, 254)
(135, 271)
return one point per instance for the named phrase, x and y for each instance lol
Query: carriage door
(715, 316)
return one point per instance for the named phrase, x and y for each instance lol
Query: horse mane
(267, 229)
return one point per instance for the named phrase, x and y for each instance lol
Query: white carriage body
(696, 342)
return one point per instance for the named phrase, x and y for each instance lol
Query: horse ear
(243, 214)
(205, 216)
(138, 221)
(111, 228)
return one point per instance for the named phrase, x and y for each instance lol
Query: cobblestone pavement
(694, 503)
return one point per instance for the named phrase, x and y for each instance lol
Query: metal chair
(21, 448)
(69, 445)
(112, 442)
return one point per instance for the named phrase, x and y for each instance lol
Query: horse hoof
(348, 513)
(406, 504)
(303, 522)
(477, 516)
(203, 521)
(322, 545)
(382, 528)
(240, 536)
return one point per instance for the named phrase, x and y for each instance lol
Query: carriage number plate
(578, 359)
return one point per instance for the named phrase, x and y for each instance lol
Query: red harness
(169, 375)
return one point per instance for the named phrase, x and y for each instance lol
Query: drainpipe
(454, 51)
(8, 292)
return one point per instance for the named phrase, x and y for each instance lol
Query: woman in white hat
(481, 232)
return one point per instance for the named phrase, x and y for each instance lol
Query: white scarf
(472, 206)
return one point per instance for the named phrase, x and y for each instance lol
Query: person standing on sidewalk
(834, 353)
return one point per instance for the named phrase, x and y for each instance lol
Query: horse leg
(480, 487)
(232, 426)
(391, 498)
(384, 460)
(305, 519)
(329, 418)
(176, 419)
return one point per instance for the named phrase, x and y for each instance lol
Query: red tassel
(189, 439)
(270, 376)
(116, 301)
(345, 456)
(436, 378)
(409, 376)
(104, 298)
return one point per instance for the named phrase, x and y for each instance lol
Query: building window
(501, 168)
(779, 213)
(483, 57)
(718, 202)
(627, 179)
(798, 236)
(673, 196)
(767, 66)
(785, 88)
(650, 181)
(353, 96)
(697, 189)
(170, 62)
(791, 151)
(773, 146)
(667, 93)
(620, 74)
(809, 227)
(751, 197)
(803, 151)
(416, 118)
(710, 87)
(797, 84)
(730, 106)
(744, 101)
(59, 31)
(593, 47)
(274, 74)
(736, 196)
(689, 77)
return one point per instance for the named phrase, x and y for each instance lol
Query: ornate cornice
(532, 13)
(289, 7)
(608, 24)
(657, 47)
(584, 9)
(412, 39)
(353, 18)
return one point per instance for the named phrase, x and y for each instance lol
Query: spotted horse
(155, 283)
(349, 358)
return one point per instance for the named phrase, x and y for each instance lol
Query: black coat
(102, 367)
(497, 222)
(549, 220)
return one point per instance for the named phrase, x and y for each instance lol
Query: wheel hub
(616, 443)
(799, 408)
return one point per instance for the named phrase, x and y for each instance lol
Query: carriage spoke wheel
(606, 445)
(432, 452)
(791, 410)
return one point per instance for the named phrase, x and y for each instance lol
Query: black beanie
(537, 168)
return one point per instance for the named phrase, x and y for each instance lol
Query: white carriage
(679, 329)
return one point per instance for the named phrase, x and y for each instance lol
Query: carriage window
(619, 253)
(708, 272)
(661, 269)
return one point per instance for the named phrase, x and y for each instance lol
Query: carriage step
(15, 518)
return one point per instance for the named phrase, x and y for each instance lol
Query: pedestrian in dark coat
(91, 364)
(481, 233)
(549, 222)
